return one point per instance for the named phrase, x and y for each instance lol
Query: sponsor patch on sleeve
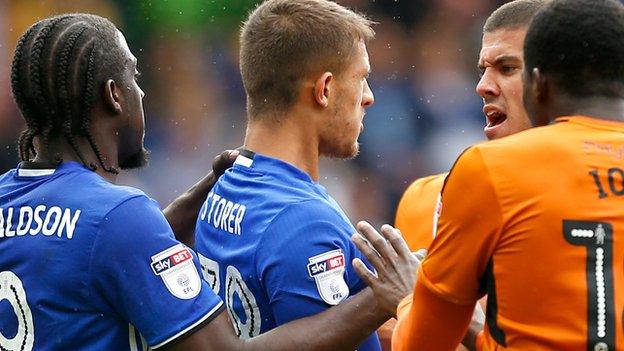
(176, 268)
(328, 269)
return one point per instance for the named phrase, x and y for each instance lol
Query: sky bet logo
(329, 264)
(164, 264)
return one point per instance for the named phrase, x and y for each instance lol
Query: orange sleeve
(468, 229)
(480, 341)
(415, 212)
(428, 322)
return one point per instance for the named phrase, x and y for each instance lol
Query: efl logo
(164, 264)
(329, 264)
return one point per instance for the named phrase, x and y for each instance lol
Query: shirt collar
(248, 159)
(593, 122)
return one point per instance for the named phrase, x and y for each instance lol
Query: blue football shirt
(88, 265)
(275, 246)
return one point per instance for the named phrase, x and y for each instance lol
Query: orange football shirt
(415, 213)
(535, 221)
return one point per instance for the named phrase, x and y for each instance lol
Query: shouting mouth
(495, 118)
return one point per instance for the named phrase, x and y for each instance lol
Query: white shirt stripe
(208, 315)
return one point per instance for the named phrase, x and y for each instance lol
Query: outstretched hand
(396, 266)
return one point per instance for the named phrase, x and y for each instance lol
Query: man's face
(131, 153)
(501, 65)
(352, 95)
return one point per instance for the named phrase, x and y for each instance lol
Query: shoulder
(100, 196)
(429, 187)
(532, 142)
(302, 226)
(309, 210)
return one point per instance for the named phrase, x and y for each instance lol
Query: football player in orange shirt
(501, 64)
(545, 241)
(500, 86)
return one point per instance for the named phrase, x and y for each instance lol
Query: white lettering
(215, 199)
(230, 228)
(8, 232)
(223, 214)
(226, 214)
(1, 222)
(218, 213)
(68, 223)
(47, 229)
(239, 219)
(38, 220)
(53, 221)
(22, 226)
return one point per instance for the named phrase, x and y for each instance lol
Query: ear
(540, 85)
(112, 96)
(323, 89)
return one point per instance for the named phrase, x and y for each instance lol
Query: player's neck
(288, 141)
(61, 148)
(596, 106)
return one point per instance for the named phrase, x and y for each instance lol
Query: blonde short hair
(284, 41)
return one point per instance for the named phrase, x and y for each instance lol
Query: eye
(136, 76)
(508, 69)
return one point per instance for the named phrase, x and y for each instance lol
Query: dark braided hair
(54, 81)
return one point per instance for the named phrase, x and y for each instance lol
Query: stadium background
(424, 74)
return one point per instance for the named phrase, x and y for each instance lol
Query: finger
(222, 162)
(377, 240)
(368, 251)
(420, 254)
(394, 237)
(367, 276)
(233, 154)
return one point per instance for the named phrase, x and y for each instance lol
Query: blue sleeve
(147, 277)
(304, 260)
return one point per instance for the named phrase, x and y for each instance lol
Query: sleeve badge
(176, 268)
(328, 269)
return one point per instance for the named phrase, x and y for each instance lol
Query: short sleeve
(469, 226)
(147, 277)
(304, 261)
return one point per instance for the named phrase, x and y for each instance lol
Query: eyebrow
(500, 59)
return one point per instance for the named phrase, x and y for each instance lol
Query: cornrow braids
(54, 82)
(86, 117)
(63, 83)
(26, 136)
(35, 69)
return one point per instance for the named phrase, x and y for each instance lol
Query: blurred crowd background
(424, 76)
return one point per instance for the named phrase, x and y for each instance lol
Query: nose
(367, 98)
(487, 86)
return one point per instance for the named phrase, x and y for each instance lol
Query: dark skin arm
(183, 211)
(341, 327)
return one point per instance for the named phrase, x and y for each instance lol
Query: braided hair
(54, 81)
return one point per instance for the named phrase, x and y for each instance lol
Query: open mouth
(495, 118)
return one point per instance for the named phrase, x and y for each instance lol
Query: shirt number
(11, 289)
(597, 238)
(234, 285)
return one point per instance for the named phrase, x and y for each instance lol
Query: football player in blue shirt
(89, 265)
(271, 241)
